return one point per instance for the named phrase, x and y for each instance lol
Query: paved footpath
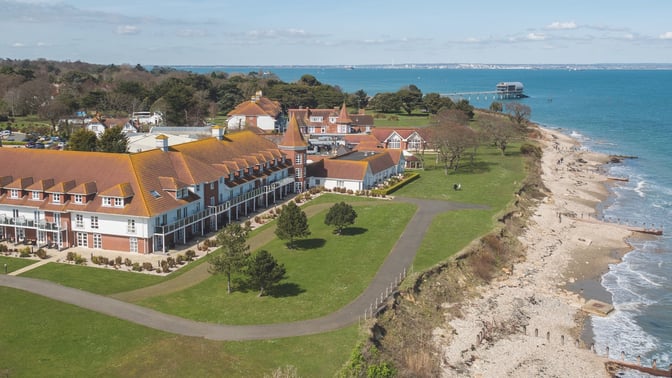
(400, 258)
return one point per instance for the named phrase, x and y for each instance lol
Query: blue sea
(615, 111)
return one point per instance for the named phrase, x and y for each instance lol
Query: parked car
(5, 133)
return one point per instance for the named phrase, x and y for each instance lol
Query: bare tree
(451, 139)
(518, 112)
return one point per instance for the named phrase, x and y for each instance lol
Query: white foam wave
(620, 332)
(639, 189)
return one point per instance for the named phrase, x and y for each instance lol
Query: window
(298, 159)
(56, 197)
(14, 193)
(36, 196)
(415, 144)
(118, 202)
(340, 184)
(78, 198)
(394, 143)
(212, 200)
(311, 130)
(342, 129)
(155, 194)
(98, 241)
(94, 222)
(82, 239)
(133, 245)
(131, 225)
(79, 220)
(298, 172)
(315, 119)
(323, 130)
(107, 201)
(212, 185)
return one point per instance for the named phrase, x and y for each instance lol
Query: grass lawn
(492, 180)
(95, 280)
(401, 120)
(14, 263)
(45, 338)
(326, 273)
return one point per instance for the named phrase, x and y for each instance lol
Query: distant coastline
(449, 66)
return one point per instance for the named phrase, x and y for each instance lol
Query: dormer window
(78, 198)
(56, 197)
(13, 193)
(107, 201)
(118, 202)
(36, 196)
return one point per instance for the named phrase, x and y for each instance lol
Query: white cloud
(536, 37)
(666, 35)
(557, 25)
(18, 44)
(191, 33)
(127, 29)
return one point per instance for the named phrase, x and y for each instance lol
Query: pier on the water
(479, 95)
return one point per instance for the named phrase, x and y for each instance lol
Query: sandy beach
(529, 321)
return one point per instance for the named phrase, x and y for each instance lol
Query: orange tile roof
(343, 117)
(41, 185)
(293, 137)
(135, 175)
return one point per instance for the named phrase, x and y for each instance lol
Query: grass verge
(45, 338)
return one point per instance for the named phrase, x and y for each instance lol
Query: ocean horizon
(613, 109)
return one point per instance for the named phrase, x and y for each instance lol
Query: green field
(14, 263)
(326, 273)
(44, 338)
(40, 337)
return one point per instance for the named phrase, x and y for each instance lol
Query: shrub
(137, 267)
(179, 259)
(248, 224)
(171, 262)
(103, 260)
(79, 260)
(95, 260)
(70, 256)
(258, 219)
(147, 266)
(530, 150)
(41, 253)
(190, 255)
(3, 248)
(117, 260)
(127, 262)
(111, 262)
(24, 252)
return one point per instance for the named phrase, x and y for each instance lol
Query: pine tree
(235, 251)
(264, 271)
(292, 224)
(340, 215)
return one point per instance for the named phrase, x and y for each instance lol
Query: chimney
(218, 132)
(162, 142)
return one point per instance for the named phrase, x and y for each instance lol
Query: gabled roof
(258, 106)
(85, 188)
(123, 190)
(383, 134)
(41, 185)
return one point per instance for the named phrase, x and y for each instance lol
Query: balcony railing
(28, 223)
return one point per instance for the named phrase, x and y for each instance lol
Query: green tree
(113, 140)
(434, 103)
(83, 140)
(386, 102)
(235, 251)
(340, 215)
(264, 271)
(292, 224)
(410, 97)
(496, 106)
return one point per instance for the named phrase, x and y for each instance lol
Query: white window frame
(118, 202)
(79, 220)
(97, 241)
(78, 198)
(298, 158)
(94, 222)
(133, 245)
(55, 197)
(107, 201)
(82, 239)
(35, 196)
(13, 193)
(131, 226)
(298, 173)
(394, 143)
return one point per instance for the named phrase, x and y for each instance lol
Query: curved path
(399, 258)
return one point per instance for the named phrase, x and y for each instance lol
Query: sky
(344, 32)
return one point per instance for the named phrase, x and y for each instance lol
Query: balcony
(42, 225)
